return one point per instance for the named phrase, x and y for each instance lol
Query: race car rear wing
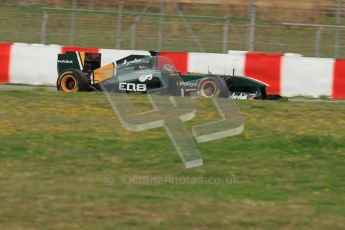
(86, 62)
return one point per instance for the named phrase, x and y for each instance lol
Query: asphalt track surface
(5, 87)
(26, 88)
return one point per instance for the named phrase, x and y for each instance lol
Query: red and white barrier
(266, 68)
(307, 76)
(287, 74)
(338, 87)
(5, 57)
(33, 64)
(37, 64)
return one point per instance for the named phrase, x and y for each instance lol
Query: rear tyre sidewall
(73, 81)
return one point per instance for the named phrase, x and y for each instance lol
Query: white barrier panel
(241, 52)
(237, 52)
(216, 63)
(306, 76)
(34, 64)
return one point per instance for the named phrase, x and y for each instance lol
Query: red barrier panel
(79, 49)
(180, 60)
(5, 52)
(264, 67)
(339, 79)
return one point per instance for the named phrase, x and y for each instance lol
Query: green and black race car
(80, 71)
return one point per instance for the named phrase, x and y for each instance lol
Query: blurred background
(307, 27)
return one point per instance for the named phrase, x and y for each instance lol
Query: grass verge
(64, 158)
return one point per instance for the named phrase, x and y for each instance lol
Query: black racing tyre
(210, 87)
(263, 93)
(72, 80)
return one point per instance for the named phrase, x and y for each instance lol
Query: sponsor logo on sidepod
(241, 96)
(131, 87)
(146, 77)
(187, 83)
(65, 61)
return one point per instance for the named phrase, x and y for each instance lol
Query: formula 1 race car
(80, 71)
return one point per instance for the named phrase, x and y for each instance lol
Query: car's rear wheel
(72, 81)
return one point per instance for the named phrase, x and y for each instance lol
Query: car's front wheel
(209, 87)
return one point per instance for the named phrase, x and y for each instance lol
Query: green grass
(59, 152)
(23, 24)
